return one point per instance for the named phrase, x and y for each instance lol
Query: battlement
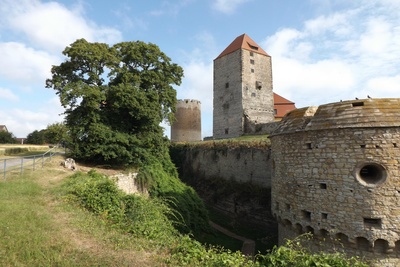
(187, 101)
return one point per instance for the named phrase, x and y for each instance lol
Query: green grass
(32, 235)
(41, 225)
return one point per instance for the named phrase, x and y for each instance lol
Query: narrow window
(252, 70)
(324, 216)
(358, 104)
(322, 185)
(287, 206)
(363, 146)
(306, 215)
(275, 111)
(251, 54)
(227, 85)
(226, 130)
(309, 145)
(252, 61)
(372, 222)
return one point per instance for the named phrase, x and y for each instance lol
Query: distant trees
(7, 138)
(115, 99)
(53, 134)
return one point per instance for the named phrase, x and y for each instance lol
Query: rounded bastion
(336, 174)
(187, 126)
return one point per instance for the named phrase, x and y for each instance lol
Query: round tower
(336, 174)
(187, 127)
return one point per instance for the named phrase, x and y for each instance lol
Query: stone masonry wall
(241, 164)
(336, 175)
(187, 127)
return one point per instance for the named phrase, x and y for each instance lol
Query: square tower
(243, 96)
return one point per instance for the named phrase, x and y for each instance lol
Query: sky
(322, 51)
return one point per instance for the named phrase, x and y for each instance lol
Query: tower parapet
(336, 175)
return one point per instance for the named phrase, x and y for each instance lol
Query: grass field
(38, 228)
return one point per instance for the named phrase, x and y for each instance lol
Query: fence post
(5, 168)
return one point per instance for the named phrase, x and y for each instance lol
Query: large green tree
(115, 98)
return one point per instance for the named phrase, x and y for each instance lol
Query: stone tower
(187, 127)
(336, 174)
(243, 96)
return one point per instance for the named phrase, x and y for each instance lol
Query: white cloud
(341, 55)
(228, 6)
(51, 26)
(6, 94)
(385, 86)
(24, 64)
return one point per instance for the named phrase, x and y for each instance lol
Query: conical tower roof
(243, 42)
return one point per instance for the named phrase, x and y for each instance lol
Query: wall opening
(370, 174)
(322, 185)
(358, 104)
(342, 238)
(306, 215)
(362, 243)
(372, 222)
(381, 245)
(324, 216)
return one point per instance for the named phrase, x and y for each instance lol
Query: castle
(334, 168)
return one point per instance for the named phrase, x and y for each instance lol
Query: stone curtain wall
(336, 175)
(241, 164)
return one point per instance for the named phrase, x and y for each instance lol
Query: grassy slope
(39, 229)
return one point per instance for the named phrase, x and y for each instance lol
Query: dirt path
(249, 245)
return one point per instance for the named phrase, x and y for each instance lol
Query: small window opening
(226, 130)
(309, 145)
(258, 85)
(275, 111)
(252, 61)
(288, 207)
(306, 215)
(358, 104)
(371, 222)
(394, 145)
(253, 47)
(324, 216)
(377, 146)
(227, 85)
(253, 94)
(363, 146)
(251, 54)
(322, 185)
(252, 70)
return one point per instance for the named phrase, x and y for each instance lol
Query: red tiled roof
(282, 106)
(243, 42)
(279, 100)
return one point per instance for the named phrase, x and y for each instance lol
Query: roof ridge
(243, 42)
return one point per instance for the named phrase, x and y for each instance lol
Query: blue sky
(322, 51)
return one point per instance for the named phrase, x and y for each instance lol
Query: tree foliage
(55, 133)
(7, 138)
(115, 98)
